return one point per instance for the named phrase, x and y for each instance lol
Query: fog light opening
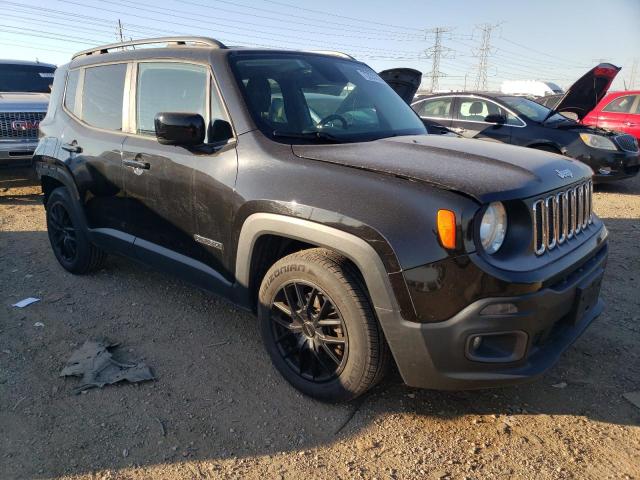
(604, 171)
(499, 309)
(499, 347)
(476, 343)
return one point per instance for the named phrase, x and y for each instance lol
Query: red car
(618, 111)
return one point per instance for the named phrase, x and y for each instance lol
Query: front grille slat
(7, 119)
(627, 143)
(560, 217)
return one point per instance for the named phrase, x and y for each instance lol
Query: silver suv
(24, 96)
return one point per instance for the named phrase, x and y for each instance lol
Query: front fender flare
(403, 337)
(357, 250)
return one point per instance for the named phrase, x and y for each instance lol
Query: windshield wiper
(308, 136)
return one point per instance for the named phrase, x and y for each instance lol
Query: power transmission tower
(436, 53)
(483, 54)
(634, 73)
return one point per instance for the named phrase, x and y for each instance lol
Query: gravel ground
(218, 408)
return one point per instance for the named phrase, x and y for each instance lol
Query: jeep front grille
(7, 119)
(627, 143)
(558, 218)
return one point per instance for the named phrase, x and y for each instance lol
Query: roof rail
(334, 53)
(203, 41)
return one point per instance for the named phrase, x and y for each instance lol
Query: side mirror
(495, 118)
(220, 131)
(183, 129)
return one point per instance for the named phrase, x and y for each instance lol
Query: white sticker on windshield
(370, 75)
(46, 74)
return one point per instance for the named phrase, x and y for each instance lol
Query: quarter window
(169, 87)
(220, 127)
(71, 91)
(102, 96)
(620, 104)
(436, 108)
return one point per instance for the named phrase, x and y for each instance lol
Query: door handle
(630, 124)
(137, 164)
(72, 147)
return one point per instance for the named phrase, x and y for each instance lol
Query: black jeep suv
(300, 186)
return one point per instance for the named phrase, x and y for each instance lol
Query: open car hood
(405, 81)
(583, 96)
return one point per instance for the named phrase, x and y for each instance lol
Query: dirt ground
(218, 409)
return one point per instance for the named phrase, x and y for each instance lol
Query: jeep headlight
(597, 141)
(493, 227)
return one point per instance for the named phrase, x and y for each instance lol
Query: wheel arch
(312, 234)
(53, 174)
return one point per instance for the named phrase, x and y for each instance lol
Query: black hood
(405, 81)
(583, 96)
(483, 170)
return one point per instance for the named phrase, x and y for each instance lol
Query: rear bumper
(17, 152)
(514, 347)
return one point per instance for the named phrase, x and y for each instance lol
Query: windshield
(26, 78)
(532, 110)
(317, 98)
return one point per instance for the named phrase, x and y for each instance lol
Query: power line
(288, 16)
(103, 23)
(288, 5)
(198, 22)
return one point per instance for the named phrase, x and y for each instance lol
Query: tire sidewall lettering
(295, 268)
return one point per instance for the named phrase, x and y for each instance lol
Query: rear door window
(435, 108)
(620, 104)
(169, 87)
(477, 109)
(102, 96)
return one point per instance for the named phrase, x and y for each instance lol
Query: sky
(549, 40)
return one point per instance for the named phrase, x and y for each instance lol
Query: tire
(68, 235)
(332, 352)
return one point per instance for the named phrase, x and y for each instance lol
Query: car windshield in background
(25, 78)
(317, 98)
(532, 110)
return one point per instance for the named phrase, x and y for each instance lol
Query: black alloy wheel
(68, 235)
(62, 232)
(309, 331)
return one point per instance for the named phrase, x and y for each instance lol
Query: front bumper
(517, 346)
(609, 165)
(17, 152)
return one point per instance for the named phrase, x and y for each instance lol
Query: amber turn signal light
(447, 228)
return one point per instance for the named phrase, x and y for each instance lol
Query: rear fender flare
(51, 167)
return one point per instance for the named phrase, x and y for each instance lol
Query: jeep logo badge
(566, 173)
(24, 125)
